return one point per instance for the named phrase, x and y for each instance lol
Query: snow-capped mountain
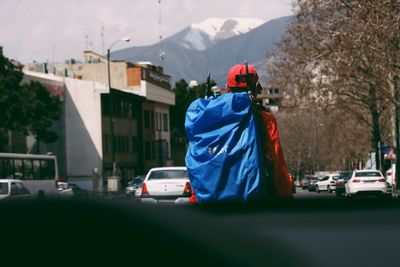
(205, 34)
(193, 63)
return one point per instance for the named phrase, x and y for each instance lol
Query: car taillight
(144, 190)
(356, 181)
(382, 180)
(188, 189)
(389, 173)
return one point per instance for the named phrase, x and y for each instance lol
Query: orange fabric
(193, 198)
(275, 160)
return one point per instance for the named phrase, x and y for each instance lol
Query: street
(312, 230)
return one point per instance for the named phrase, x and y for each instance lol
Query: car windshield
(368, 174)
(168, 174)
(335, 177)
(3, 188)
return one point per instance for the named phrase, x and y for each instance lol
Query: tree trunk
(376, 127)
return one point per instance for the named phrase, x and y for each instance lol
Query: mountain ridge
(194, 64)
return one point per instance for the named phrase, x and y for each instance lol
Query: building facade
(79, 146)
(139, 80)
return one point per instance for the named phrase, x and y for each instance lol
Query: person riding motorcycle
(244, 78)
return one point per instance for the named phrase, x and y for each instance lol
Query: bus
(39, 173)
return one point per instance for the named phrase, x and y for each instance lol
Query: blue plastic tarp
(224, 158)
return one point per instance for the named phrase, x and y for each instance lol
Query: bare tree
(342, 54)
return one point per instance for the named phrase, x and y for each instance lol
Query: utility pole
(111, 111)
(111, 106)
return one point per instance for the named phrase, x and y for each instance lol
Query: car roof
(168, 168)
(10, 180)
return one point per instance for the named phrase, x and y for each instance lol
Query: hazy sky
(56, 30)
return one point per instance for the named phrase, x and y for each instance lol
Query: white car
(64, 190)
(366, 181)
(390, 174)
(166, 185)
(13, 189)
(327, 183)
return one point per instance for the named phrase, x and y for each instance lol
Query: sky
(56, 30)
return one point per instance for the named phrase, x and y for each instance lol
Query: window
(130, 111)
(18, 171)
(133, 111)
(8, 169)
(166, 149)
(28, 171)
(36, 169)
(165, 122)
(152, 119)
(368, 174)
(14, 190)
(3, 188)
(47, 170)
(133, 144)
(106, 143)
(147, 150)
(126, 144)
(146, 119)
(157, 120)
(21, 189)
(153, 150)
(168, 174)
(105, 106)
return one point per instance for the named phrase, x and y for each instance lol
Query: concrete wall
(158, 94)
(98, 72)
(83, 128)
(55, 85)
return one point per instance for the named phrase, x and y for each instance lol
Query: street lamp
(110, 104)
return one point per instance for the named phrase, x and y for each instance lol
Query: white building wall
(157, 94)
(83, 129)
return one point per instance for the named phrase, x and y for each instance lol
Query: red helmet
(237, 76)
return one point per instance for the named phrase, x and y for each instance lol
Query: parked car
(344, 176)
(366, 182)
(134, 186)
(390, 174)
(13, 189)
(78, 191)
(292, 181)
(70, 190)
(64, 190)
(312, 184)
(166, 185)
(327, 183)
(306, 180)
